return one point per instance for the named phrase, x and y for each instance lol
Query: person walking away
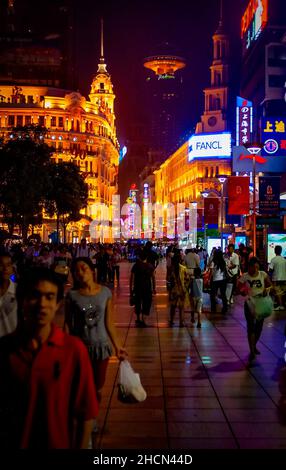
(218, 281)
(232, 268)
(115, 262)
(89, 316)
(47, 394)
(277, 270)
(82, 250)
(8, 304)
(102, 265)
(192, 259)
(141, 282)
(197, 296)
(254, 283)
(178, 290)
(152, 258)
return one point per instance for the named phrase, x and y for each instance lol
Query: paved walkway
(200, 393)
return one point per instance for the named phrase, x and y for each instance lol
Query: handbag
(260, 307)
(207, 277)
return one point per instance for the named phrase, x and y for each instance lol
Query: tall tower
(101, 92)
(164, 92)
(214, 118)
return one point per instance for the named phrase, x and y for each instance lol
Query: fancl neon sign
(210, 145)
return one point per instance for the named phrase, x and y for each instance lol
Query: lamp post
(205, 194)
(222, 180)
(254, 149)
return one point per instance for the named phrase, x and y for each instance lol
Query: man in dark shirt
(141, 280)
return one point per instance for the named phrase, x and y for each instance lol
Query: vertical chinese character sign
(244, 119)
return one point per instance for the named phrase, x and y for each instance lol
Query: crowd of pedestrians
(52, 378)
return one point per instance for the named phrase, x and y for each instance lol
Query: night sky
(133, 29)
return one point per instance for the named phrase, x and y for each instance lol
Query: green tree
(24, 180)
(67, 194)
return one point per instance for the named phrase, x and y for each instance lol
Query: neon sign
(244, 120)
(253, 21)
(210, 145)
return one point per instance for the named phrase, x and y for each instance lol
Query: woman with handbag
(255, 284)
(89, 315)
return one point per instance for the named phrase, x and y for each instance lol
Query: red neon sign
(258, 10)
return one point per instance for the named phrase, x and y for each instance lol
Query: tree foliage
(30, 182)
(24, 169)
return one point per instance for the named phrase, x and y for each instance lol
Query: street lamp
(222, 180)
(254, 149)
(205, 194)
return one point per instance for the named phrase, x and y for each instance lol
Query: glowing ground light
(206, 360)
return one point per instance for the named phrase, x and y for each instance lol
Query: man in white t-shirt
(82, 251)
(8, 303)
(277, 268)
(252, 284)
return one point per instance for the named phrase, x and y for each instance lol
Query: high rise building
(186, 174)
(38, 43)
(263, 77)
(164, 86)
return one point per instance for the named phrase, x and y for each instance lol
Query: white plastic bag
(130, 382)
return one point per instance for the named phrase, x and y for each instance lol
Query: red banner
(211, 210)
(200, 218)
(238, 195)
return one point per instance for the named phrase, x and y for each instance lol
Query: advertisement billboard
(214, 243)
(269, 195)
(273, 240)
(273, 136)
(239, 239)
(253, 22)
(242, 161)
(209, 146)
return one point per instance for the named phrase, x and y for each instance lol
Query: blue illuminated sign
(209, 146)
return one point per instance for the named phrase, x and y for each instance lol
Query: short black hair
(252, 261)
(278, 250)
(32, 277)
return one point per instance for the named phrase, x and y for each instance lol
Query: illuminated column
(193, 229)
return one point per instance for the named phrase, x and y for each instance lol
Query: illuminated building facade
(81, 130)
(181, 178)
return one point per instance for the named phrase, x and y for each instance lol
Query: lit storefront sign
(273, 136)
(210, 145)
(253, 21)
(122, 153)
(244, 120)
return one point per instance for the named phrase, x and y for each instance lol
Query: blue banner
(273, 136)
(269, 195)
(242, 161)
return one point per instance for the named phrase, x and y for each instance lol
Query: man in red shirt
(47, 394)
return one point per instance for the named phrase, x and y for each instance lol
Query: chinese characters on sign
(244, 118)
(269, 195)
(273, 136)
